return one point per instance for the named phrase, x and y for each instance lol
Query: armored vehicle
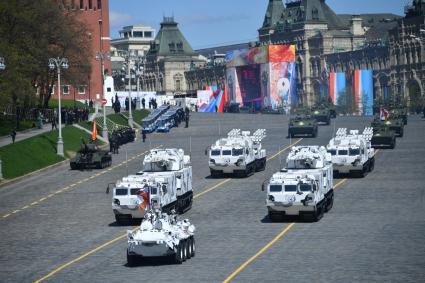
(302, 124)
(304, 188)
(352, 152)
(394, 124)
(321, 114)
(399, 113)
(383, 137)
(160, 235)
(240, 153)
(232, 107)
(165, 183)
(90, 156)
(124, 135)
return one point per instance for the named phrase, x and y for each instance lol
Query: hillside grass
(39, 151)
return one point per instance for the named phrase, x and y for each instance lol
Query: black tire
(131, 259)
(73, 166)
(215, 173)
(329, 203)
(178, 257)
(318, 213)
(372, 164)
(274, 217)
(192, 241)
(184, 249)
(188, 248)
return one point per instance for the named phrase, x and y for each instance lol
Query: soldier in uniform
(143, 135)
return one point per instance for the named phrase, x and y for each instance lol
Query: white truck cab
(352, 152)
(240, 153)
(304, 187)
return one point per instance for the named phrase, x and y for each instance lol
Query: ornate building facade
(391, 46)
(169, 57)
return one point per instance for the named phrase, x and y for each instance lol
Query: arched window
(178, 78)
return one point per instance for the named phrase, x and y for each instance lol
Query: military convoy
(392, 123)
(352, 152)
(165, 183)
(161, 234)
(304, 188)
(90, 156)
(301, 125)
(383, 137)
(322, 114)
(239, 153)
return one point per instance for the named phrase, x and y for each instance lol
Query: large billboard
(262, 76)
(211, 100)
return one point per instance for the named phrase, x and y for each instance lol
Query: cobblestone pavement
(62, 221)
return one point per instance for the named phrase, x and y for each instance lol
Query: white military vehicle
(165, 183)
(304, 187)
(240, 153)
(159, 235)
(352, 152)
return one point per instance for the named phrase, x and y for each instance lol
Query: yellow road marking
(80, 258)
(6, 215)
(211, 189)
(286, 148)
(25, 207)
(73, 185)
(123, 236)
(266, 247)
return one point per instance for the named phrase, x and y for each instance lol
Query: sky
(209, 23)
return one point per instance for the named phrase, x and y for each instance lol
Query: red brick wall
(97, 20)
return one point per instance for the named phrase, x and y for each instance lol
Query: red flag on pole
(384, 114)
(94, 131)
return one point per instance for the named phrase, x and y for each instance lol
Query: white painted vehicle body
(305, 186)
(167, 176)
(240, 152)
(352, 152)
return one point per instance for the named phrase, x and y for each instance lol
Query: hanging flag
(143, 197)
(384, 114)
(94, 131)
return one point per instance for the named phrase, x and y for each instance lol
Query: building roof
(370, 20)
(274, 13)
(221, 49)
(170, 41)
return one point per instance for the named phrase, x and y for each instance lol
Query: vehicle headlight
(212, 160)
(271, 198)
(116, 201)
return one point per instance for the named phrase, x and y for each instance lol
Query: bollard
(1, 172)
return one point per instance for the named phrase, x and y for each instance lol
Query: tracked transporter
(159, 235)
(165, 183)
(302, 124)
(90, 156)
(304, 188)
(383, 137)
(240, 153)
(352, 153)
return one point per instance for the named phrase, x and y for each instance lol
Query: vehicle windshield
(133, 192)
(342, 152)
(215, 152)
(332, 151)
(290, 188)
(227, 152)
(121, 192)
(154, 190)
(305, 187)
(237, 151)
(275, 188)
(354, 151)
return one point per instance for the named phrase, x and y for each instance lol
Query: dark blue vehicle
(149, 124)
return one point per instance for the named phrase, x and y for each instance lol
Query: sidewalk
(5, 140)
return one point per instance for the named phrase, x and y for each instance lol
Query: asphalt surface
(59, 224)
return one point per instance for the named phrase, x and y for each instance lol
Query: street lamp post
(58, 64)
(138, 71)
(127, 56)
(2, 67)
(102, 56)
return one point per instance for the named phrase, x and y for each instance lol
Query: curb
(17, 179)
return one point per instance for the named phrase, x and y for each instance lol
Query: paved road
(375, 231)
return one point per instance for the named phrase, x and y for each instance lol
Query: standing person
(40, 120)
(54, 126)
(13, 135)
(143, 102)
(143, 135)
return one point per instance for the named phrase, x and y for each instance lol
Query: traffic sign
(104, 101)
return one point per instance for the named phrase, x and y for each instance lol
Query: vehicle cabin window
(275, 188)
(215, 152)
(247, 151)
(332, 151)
(305, 187)
(133, 192)
(121, 192)
(154, 191)
(290, 188)
(227, 152)
(354, 151)
(314, 187)
(237, 151)
(343, 152)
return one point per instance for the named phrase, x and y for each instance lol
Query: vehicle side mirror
(263, 186)
(206, 150)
